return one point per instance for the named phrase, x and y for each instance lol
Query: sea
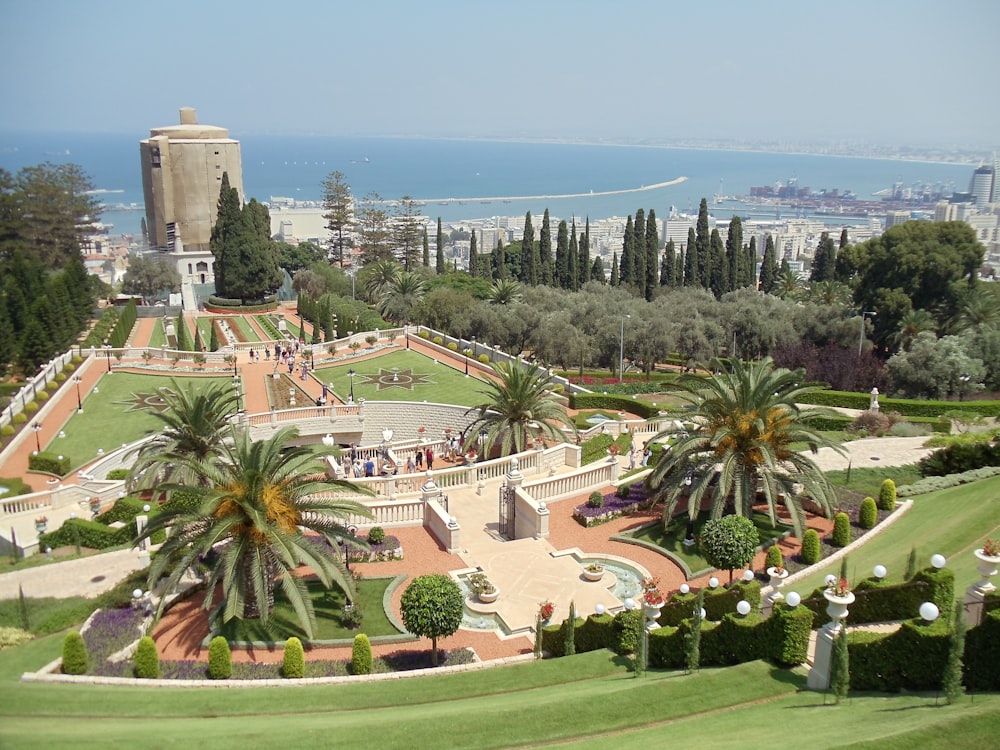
(466, 179)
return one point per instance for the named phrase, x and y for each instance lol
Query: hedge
(123, 328)
(612, 402)
(89, 534)
(911, 658)
(49, 463)
(982, 653)
(879, 601)
(718, 603)
(906, 407)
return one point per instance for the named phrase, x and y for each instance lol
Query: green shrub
(118, 474)
(887, 495)
(20, 418)
(10, 637)
(438, 340)
(811, 550)
(361, 655)
(424, 334)
(774, 557)
(220, 659)
(7, 431)
(31, 407)
(982, 653)
(789, 629)
(628, 625)
(60, 377)
(484, 359)
(49, 463)
(376, 535)
(293, 666)
(74, 654)
(868, 515)
(622, 491)
(452, 346)
(595, 500)
(147, 659)
(42, 396)
(841, 535)
(52, 386)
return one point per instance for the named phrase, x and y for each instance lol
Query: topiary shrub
(774, 557)
(484, 359)
(74, 654)
(220, 659)
(52, 386)
(438, 340)
(293, 667)
(147, 659)
(376, 535)
(452, 346)
(887, 495)
(7, 431)
(810, 547)
(42, 396)
(20, 418)
(595, 500)
(31, 407)
(118, 474)
(868, 515)
(361, 655)
(60, 377)
(622, 491)
(841, 535)
(628, 625)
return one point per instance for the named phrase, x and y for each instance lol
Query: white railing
(567, 485)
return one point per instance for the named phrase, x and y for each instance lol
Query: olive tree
(432, 607)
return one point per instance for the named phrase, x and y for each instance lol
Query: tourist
(646, 455)
(420, 459)
(267, 352)
(369, 467)
(411, 466)
(430, 459)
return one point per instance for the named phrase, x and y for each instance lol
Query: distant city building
(983, 186)
(893, 218)
(182, 168)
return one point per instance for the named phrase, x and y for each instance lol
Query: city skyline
(878, 72)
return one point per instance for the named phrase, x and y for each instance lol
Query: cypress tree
(769, 266)
(614, 270)
(597, 271)
(499, 261)
(625, 266)
(734, 252)
(439, 259)
(529, 254)
(719, 269)
(584, 263)
(692, 640)
(668, 265)
(213, 342)
(569, 632)
(691, 264)
(562, 278)
(703, 246)
(546, 265)
(637, 263)
(427, 249)
(652, 253)
(843, 238)
(825, 260)
(573, 261)
(473, 252)
(751, 263)
(951, 681)
(840, 667)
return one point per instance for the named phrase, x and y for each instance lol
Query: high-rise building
(983, 185)
(182, 168)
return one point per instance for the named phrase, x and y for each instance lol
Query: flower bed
(108, 632)
(613, 507)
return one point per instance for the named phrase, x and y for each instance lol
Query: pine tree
(439, 260)
(691, 264)
(473, 252)
(339, 206)
(529, 254)
(546, 264)
(769, 266)
(652, 254)
(584, 263)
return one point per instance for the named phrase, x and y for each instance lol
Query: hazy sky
(896, 71)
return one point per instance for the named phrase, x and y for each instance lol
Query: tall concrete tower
(182, 167)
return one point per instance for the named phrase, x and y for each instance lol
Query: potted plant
(545, 610)
(989, 558)
(777, 574)
(652, 602)
(838, 594)
(593, 571)
(41, 524)
(484, 590)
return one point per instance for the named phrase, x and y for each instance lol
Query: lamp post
(36, 428)
(107, 353)
(467, 355)
(964, 378)
(861, 340)
(621, 351)
(353, 531)
(483, 434)
(351, 374)
(79, 401)
(689, 533)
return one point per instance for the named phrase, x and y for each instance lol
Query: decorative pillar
(819, 675)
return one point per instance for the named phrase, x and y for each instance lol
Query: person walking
(420, 459)
(430, 459)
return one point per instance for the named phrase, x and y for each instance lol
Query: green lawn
(241, 324)
(671, 539)
(867, 481)
(101, 425)
(951, 522)
(437, 383)
(158, 338)
(328, 606)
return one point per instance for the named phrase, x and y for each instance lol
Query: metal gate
(506, 526)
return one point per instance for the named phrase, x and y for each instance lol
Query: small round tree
(841, 535)
(147, 659)
(810, 547)
(432, 608)
(887, 495)
(293, 667)
(729, 542)
(361, 655)
(220, 659)
(868, 515)
(774, 557)
(74, 654)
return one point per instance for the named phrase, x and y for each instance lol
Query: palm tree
(787, 285)
(379, 276)
(738, 443)
(504, 292)
(911, 324)
(520, 406)
(401, 295)
(255, 500)
(195, 420)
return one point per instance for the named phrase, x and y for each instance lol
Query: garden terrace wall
(878, 601)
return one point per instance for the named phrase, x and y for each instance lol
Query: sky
(917, 72)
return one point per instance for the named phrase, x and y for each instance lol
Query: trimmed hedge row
(49, 463)
(718, 602)
(982, 650)
(906, 407)
(123, 328)
(612, 402)
(88, 534)
(911, 658)
(878, 601)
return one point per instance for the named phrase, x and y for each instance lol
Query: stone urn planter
(593, 572)
(777, 576)
(488, 597)
(837, 608)
(987, 568)
(652, 613)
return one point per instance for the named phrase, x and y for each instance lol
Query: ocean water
(478, 172)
